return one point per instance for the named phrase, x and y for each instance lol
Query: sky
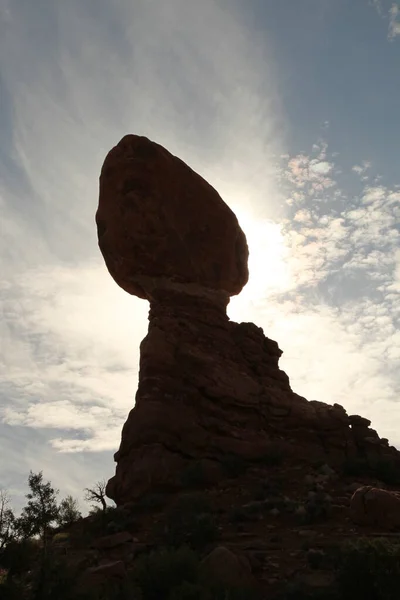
(289, 109)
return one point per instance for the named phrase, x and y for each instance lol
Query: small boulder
(112, 541)
(227, 568)
(375, 506)
(110, 569)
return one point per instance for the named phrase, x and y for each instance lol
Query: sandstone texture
(210, 390)
(375, 506)
(159, 222)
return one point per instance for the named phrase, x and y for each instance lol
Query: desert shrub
(122, 520)
(189, 591)
(369, 570)
(316, 559)
(18, 556)
(54, 581)
(10, 590)
(267, 488)
(173, 574)
(233, 465)
(298, 591)
(159, 573)
(190, 521)
(111, 520)
(61, 537)
(193, 475)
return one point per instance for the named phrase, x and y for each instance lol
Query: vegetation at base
(193, 475)
(233, 465)
(369, 569)
(190, 521)
(33, 568)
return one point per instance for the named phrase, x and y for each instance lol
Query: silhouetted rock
(159, 223)
(210, 390)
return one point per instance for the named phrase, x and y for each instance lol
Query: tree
(41, 510)
(7, 519)
(68, 511)
(97, 494)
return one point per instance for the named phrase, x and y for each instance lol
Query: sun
(268, 260)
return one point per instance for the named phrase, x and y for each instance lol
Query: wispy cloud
(394, 21)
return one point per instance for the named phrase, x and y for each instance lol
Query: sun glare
(268, 267)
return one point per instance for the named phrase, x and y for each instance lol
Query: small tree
(7, 519)
(97, 494)
(68, 512)
(41, 510)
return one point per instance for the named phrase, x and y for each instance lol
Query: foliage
(7, 519)
(41, 510)
(234, 465)
(97, 494)
(369, 570)
(193, 475)
(190, 521)
(68, 512)
(17, 557)
(159, 572)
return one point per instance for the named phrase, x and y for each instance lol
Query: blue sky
(288, 108)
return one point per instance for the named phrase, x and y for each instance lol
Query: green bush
(190, 522)
(233, 465)
(369, 570)
(18, 556)
(189, 591)
(160, 572)
(193, 475)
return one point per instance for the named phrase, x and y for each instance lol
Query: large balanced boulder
(160, 222)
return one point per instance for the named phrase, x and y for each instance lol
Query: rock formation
(208, 388)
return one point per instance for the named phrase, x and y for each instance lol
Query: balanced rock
(159, 223)
(210, 390)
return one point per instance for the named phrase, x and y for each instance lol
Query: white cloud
(394, 21)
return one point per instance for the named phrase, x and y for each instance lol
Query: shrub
(190, 522)
(189, 591)
(233, 465)
(162, 571)
(174, 575)
(17, 557)
(193, 475)
(369, 570)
